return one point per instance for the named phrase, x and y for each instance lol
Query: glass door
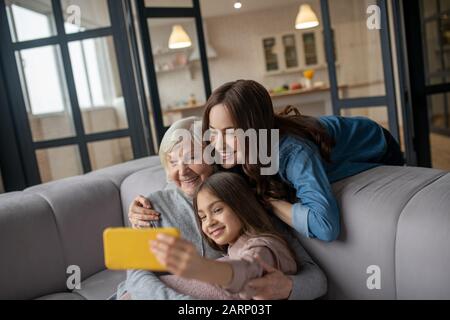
(362, 81)
(426, 32)
(435, 21)
(69, 82)
(175, 58)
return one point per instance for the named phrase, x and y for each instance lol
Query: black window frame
(14, 106)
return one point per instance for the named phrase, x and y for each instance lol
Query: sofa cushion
(102, 285)
(83, 207)
(370, 205)
(32, 261)
(423, 244)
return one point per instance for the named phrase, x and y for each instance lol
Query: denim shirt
(360, 144)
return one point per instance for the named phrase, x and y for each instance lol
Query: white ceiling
(213, 8)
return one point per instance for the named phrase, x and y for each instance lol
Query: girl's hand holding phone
(179, 256)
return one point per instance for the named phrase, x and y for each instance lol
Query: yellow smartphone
(129, 249)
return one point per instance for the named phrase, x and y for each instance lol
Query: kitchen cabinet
(294, 51)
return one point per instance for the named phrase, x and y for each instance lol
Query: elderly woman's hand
(141, 213)
(275, 285)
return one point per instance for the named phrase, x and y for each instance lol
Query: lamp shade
(306, 18)
(179, 38)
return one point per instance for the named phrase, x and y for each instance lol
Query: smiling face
(218, 220)
(223, 136)
(184, 172)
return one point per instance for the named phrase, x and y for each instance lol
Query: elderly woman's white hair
(189, 127)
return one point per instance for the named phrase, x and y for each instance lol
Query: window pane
(444, 4)
(110, 152)
(98, 85)
(429, 8)
(437, 61)
(359, 65)
(47, 100)
(59, 163)
(179, 71)
(82, 15)
(439, 105)
(168, 3)
(29, 20)
(436, 42)
(433, 62)
(439, 109)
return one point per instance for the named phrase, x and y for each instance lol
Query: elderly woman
(173, 208)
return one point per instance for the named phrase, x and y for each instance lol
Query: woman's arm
(316, 214)
(309, 283)
(282, 210)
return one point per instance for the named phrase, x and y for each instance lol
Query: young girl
(313, 153)
(233, 221)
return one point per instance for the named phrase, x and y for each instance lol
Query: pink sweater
(241, 256)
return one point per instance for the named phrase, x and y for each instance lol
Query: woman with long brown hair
(313, 153)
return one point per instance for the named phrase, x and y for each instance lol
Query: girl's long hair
(251, 107)
(234, 191)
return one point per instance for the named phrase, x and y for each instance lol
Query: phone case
(129, 249)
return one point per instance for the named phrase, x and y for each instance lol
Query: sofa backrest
(395, 224)
(83, 207)
(47, 228)
(397, 219)
(32, 257)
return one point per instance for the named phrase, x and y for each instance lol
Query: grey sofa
(397, 219)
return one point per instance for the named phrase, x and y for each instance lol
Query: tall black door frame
(145, 13)
(405, 98)
(419, 91)
(15, 105)
(389, 99)
(10, 159)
